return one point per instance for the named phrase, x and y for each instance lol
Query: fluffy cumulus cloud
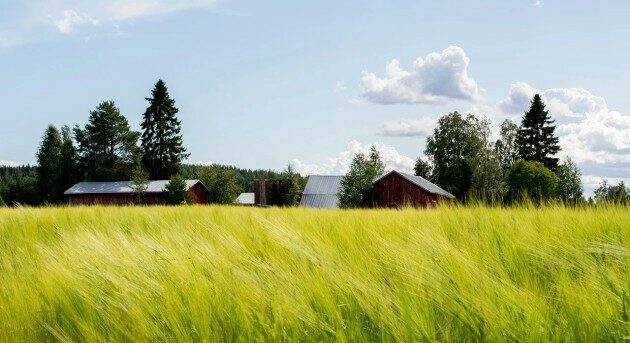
(436, 79)
(408, 128)
(340, 163)
(593, 135)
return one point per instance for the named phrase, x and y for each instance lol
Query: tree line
(107, 149)
(462, 159)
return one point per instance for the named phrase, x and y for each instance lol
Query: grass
(250, 274)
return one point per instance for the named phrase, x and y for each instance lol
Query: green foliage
(106, 146)
(176, 192)
(162, 145)
(140, 179)
(356, 185)
(68, 162)
(454, 142)
(535, 139)
(422, 169)
(612, 194)
(21, 191)
(16, 186)
(532, 181)
(293, 185)
(506, 148)
(221, 182)
(488, 181)
(570, 183)
(48, 170)
(241, 274)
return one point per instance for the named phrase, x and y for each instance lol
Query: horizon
(260, 86)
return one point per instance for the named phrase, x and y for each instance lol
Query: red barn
(122, 193)
(396, 189)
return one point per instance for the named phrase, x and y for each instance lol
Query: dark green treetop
(535, 139)
(161, 141)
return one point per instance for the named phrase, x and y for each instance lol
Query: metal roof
(320, 200)
(323, 184)
(420, 182)
(122, 187)
(321, 191)
(245, 199)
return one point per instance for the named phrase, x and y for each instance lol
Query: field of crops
(251, 274)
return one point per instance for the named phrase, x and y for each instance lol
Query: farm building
(321, 191)
(245, 199)
(396, 189)
(122, 193)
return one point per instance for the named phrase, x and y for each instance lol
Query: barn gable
(396, 189)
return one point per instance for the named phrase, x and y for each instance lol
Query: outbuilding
(123, 193)
(321, 191)
(396, 189)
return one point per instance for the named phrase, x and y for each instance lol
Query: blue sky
(263, 84)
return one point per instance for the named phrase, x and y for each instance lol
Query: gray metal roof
(245, 199)
(420, 182)
(323, 184)
(322, 191)
(320, 200)
(121, 187)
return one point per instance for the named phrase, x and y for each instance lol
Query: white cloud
(436, 79)
(408, 128)
(594, 136)
(72, 18)
(31, 21)
(538, 3)
(567, 102)
(340, 87)
(340, 163)
(8, 164)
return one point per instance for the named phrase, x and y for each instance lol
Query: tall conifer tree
(48, 165)
(535, 139)
(162, 146)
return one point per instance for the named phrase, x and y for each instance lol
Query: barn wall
(396, 191)
(199, 194)
(115, 199)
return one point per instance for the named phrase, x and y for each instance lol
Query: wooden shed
(122, 193)
(396, 189)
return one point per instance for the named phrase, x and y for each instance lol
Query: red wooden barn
(396, 189)
(122, 193)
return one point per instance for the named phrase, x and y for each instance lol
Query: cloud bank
(340, 164)
(436, 79)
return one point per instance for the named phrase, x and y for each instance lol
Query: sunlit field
(252, 274)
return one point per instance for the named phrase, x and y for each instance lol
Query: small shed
(245, 199)
(123, 193)
(322, 191)
(396, 189)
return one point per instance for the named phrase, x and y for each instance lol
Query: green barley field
(253, 274)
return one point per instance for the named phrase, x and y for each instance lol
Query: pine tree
(48, 157)
(162, 145)
(535, 139)
(106, 146)
(68, 165)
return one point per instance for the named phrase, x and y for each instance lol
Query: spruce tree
(162, 146)
(48, 157)
(535, 139)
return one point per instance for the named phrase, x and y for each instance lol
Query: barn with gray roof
(321, 191)
(124, 192)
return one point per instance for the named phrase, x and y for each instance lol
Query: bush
(529, 180)
(175, 191)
